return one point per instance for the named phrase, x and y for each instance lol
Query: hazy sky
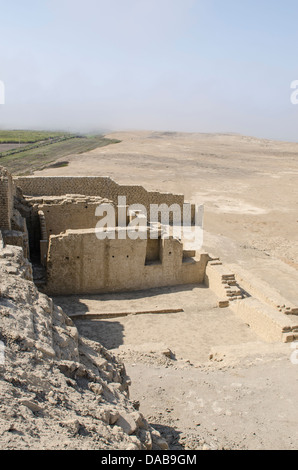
(183, 65)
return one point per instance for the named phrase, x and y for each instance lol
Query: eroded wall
(88, 265)
(12, 224)
(6, 199)
(103, 187)
(68, 213)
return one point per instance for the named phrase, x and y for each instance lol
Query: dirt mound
(58, 390)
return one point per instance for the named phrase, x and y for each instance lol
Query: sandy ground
(190, 334)
(202, 377)
(251, 405)
(248, 187)
(222, 386)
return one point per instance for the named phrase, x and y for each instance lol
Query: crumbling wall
(222, 281)
(12, 224)
(57, 389)
(88, 265)
(69, 212)
(104, 187)
(270, 324)
(6, 199)
(253, 306)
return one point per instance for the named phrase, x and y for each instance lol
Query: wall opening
(153, 253)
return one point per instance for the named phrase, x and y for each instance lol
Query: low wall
(270, 324)
(264, 292)
(222, 281)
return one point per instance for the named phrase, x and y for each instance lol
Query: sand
(248, 187)
(221, 387)
(190, 334)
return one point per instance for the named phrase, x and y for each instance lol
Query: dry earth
(248, 187)
(138, 333)
(202, 377)
(57, 389)
(245, 395)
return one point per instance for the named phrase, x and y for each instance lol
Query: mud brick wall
(79, 263)
(104, 187)
(6, 199)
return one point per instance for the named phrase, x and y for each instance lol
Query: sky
(170, 65)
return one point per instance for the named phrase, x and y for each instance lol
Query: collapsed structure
(54, 220)
(12, 225)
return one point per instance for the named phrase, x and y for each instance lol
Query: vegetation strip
(44, 148)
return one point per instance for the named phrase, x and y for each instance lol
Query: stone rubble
(57, 389)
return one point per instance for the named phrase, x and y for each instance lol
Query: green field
(28, 137)
(40, 149)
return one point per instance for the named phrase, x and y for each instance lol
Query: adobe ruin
(53, 219)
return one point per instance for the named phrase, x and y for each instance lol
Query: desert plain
(202, 377)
